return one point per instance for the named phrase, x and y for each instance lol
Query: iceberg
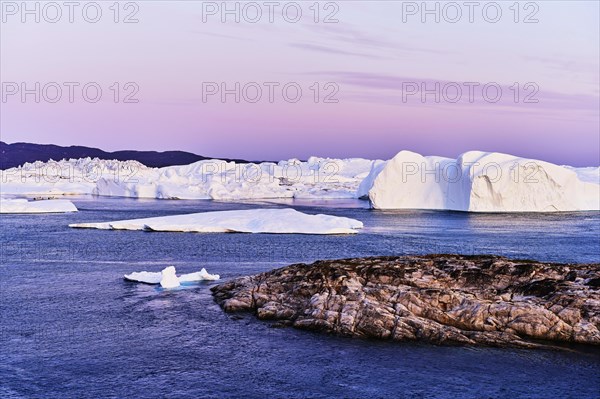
(41, 206)
(368, 181)
(144, 277)
(275, 221)
(207, 179)
(202, 275)
(66, 177)
(475, 181)
(167, 278)
(482, 182)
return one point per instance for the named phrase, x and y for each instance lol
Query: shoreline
(441, 299)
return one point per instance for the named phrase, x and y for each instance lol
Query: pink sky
(372, 58)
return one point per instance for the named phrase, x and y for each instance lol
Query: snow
(482, 182)
(276, 221)
(42, 206)
(167, 278)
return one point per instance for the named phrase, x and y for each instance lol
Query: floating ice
(202, 275)
(167, 278)
(207, 179)
(144, 277)
(276, 221)
(482, 182)
(475, 181)
(41, 206)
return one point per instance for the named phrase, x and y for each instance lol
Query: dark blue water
(72, 328)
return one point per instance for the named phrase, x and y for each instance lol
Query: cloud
(570, 65)
(330, 50)
(357, 38)
(224, 36)
(391, 89)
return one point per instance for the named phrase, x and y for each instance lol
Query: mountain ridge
(17, 154)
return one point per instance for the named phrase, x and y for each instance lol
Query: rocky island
(441, 299)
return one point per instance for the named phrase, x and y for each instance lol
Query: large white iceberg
(42, 206)
(168, 278)
(475, 181)
(275, 221)
(207, 179)
(482, 182)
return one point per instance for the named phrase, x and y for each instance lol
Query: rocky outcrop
(441, 299)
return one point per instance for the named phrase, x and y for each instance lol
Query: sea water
(71, 327)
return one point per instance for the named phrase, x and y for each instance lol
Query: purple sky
(371, 61)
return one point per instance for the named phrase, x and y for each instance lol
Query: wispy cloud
(400, 89)
(359, 38)
(331, 50)
(570, 65)
(223, 36)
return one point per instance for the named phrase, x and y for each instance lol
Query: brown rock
(436, 298)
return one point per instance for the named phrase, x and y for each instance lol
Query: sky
(279, 80)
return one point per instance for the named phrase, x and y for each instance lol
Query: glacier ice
(207, 179)
(482, 182)
(41, 206)
(475, 181)
(275, 221)
(202, 275)
(167, 278)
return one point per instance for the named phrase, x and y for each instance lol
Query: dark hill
(17, 154)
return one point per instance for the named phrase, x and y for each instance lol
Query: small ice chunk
(198, 276)
(144, 277)
(169, 278)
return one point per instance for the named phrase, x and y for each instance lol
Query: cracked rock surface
(442, 299)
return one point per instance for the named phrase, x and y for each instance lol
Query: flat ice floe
(41, 206)
(168, 278)
(275, 221)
